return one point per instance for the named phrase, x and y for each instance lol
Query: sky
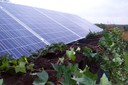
(95, 11)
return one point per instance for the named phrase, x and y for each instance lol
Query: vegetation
(42, 79)
(8, 64)
(91, 35)
(113, 57)
(53, 48)
(112, 63)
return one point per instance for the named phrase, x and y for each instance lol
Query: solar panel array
(25, 29)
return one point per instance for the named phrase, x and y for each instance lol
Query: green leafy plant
(92, 56)
(84, 81)
(71, 54)
(8, 64)
(42, 79)
(66, 72)
(113, 57)
(1, 81)
(104, 80)
(4, 63)
(20, 67)
(72, 75)
(23, 65)
(91, 35)
(56, 48)
(85, 77)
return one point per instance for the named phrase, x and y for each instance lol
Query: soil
(45, 63)
(125, 36)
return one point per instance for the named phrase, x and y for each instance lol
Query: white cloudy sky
(95, 11)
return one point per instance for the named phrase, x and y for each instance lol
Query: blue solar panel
(15, 39)
(83, 23)
(24, 28)
(41, 24)
(58, 16)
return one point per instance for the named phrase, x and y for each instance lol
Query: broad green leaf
(21, 67)
(87, 51)
(42, 78)
(55, 66)
(30, 66)
(38, 82)
(1, 81)
(66, 73)
(85, 80)
(112, 45)
(68, 80)
(104, 80)
(93, 55)
(23, 59)
(90, 75)
(4, 65)
(50, 83)
(14, 62)
(71, 54)
(60, 69)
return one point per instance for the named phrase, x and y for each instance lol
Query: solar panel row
(25, 28)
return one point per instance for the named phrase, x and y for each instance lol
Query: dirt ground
(125, 36)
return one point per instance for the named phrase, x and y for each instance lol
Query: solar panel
(58, 16)
(15, 39)
(24, 28)
(82, 23)
(41, 24)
